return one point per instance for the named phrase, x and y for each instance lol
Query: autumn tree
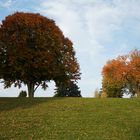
(122, 74)
(133, 74)
(33, 51)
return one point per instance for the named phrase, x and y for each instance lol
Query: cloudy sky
(99, 29)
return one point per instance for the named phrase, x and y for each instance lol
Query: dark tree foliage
(114, 91)
(22, 94)
(33, 51)
(68, 90)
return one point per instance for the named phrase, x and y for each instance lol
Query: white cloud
(102, 20)
(6, 3)
(94, 20)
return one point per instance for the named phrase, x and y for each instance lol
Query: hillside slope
(69, 119)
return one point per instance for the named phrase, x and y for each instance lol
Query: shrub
(23, 94)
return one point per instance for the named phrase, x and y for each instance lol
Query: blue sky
(99, 29)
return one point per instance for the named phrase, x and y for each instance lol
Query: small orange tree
(33, 51)
(122, 74)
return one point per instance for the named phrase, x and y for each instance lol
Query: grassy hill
(69, 119)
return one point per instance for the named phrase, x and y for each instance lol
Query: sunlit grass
(69, 119)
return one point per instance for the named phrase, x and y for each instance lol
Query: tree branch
(36, 87)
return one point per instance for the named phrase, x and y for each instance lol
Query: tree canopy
(122, 75)
(33, 51)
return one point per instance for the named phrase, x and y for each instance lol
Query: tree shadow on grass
(7, 104)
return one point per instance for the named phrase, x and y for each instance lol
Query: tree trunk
(30, 87)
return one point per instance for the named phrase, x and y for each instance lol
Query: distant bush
(22, 94)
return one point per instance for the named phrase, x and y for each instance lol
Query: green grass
(69, 119)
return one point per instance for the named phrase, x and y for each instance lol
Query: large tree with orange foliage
(122, 75)
(33, 51)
